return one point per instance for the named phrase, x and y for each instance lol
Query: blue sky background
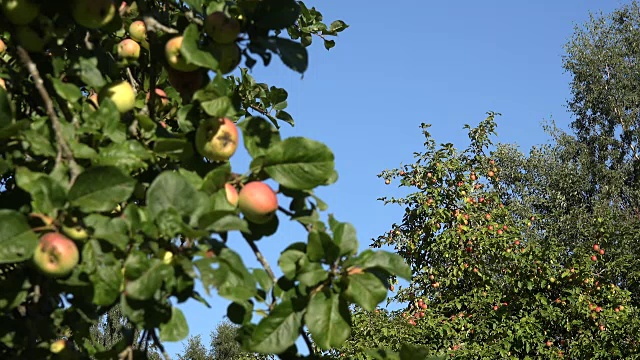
(445, 63)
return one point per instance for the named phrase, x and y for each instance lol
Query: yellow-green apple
(129, 49)
(221, 28)
(160, 95)
(138, 31)
(56, 255)
(74, 230)
(122, 95)
(258, 202)
(231, 194)
(3, 47)
(186, 83)
(58, 346)
(20, 12)
(29, 39)
(228, 56)
(217, 139)
(173, 56)
(93, 14)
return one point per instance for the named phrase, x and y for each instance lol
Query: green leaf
(311, 274)
(176, 329)
(145, 286)
(101, 188)
(69, 92)
(17, 240)
(192, 53)
(366, 290)
(278, 331)
(411, 352)
(299, 163)
(265, 281)
(47, 196)
(328, 319)
(329, 44)
(288, 262)
(129, 155)
(293, 54)
(6, 114)
(338, 26)
(258, 135)
(89, 72)
(344, 234)
(219, 107)
(170, 190)
(392, 263)
(276, 14)
(106, 284)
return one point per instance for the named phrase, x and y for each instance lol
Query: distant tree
(195, 350)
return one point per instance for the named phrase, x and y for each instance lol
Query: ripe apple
(549, 343)
(58, 346)
(128, 49)
(491, 173)
(217, 139)
(20, 12)
(594, 258)
(601, 252)
(221, 28)
(3, 84)
(258, 202)
(56, 255)
(596, 247)
(160, 94)
(138, 31)
(93, 14)
(232, 194)
(122, 95)
(30, 39)
(387, 181)
(517, 242)
(173, 56)
(228, 56)
(3, 47)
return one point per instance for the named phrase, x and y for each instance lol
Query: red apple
(161, 95)
(594, 258)
(596, 247)
(128, 49)
(3, 47)
(217, 139)
(56, 255)
(601, 252)
(258, 202)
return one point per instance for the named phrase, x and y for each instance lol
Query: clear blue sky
(441, 62)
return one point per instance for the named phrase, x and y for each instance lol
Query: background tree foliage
(224, 345)
(527, 255)
(112, 194)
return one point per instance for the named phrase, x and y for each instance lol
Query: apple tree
(489, 280)
(118, 125)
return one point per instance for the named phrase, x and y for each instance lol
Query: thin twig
(307, 227)
(265, 264)
(156, 341)
(64, 151)
(192, 18)
(151, 23)
(305, 336)
(133, 81)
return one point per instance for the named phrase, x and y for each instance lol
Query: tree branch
(305, 336)
(151, 23)
(63, 149)
(267, 268)
(157, 342)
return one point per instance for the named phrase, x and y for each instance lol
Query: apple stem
(63, 149)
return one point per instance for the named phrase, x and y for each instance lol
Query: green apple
(138, 31)
(217, 139)
(93, 14)
(74, 230)
(56, 255)
(258, 202)
(228, 56)
(129, 50)
(29, 39)
(122, 95)
(173, 56)
(221, 28)
(20, 12)
(231, 194)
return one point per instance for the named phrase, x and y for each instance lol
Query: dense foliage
(117, 131)
(526, 255)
